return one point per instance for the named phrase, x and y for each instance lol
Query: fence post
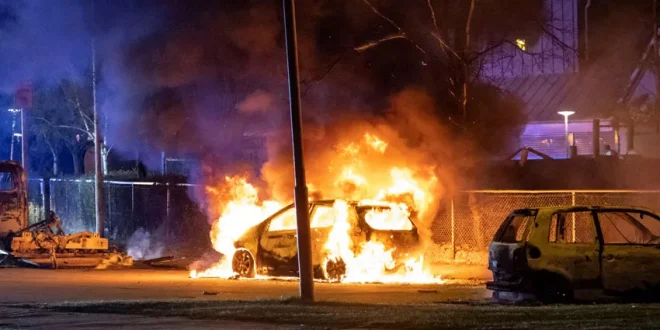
(80, 214)
(50, 195)
(167, 211)
(109, 223)
(573, 215)
(453, 231)
(132, 200)
(45, 196)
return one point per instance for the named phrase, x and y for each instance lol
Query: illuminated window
(284, 221)
(521, 44)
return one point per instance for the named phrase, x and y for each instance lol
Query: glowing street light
(566, 114)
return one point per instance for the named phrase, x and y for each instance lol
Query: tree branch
(444, 46)
(400, 35)
(383, 16)
(66, 126)
(554, 37)
(320, 76)
(467, 26)
(375, 43)
(435, 21)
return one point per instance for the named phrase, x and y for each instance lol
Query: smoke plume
(141, 246)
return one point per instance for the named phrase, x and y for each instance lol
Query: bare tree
(64, 117)
(459, 37)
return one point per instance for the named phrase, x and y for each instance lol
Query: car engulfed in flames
(371, 233)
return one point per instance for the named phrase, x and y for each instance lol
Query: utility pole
(654, 58)
(98, 165)
(24, 141)
(300, 191)
(23, 103)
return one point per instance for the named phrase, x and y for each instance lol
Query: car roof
(577, 208)
(350, 202)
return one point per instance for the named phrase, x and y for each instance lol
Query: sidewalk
(21, 318)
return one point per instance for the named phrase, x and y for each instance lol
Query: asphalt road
(35, 285)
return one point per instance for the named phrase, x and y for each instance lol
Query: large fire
(363, 171)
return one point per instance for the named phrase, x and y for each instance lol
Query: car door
(279, 251)
(322, 219)
(631, 254)
(572, 250)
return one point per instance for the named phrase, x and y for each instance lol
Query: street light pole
(300, 191)
(98, 164)
(567, 144)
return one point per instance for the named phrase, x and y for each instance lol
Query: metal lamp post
(566, 114)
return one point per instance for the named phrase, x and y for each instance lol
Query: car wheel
(553, 289)
(334, 270)
(243, 264)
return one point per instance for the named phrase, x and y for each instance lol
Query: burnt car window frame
(528, 213)
(14, 182)
(279, 213)
(600, 229)
(362, 218)
(312, 213)
(574, 242)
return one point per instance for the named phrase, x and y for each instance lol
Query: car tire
(242, 263)
(553, 289)
(334, 270)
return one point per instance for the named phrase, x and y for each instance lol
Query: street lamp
(566, 114)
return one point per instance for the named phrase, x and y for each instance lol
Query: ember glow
(389, 192)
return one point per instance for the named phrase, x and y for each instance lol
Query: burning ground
(391, 160)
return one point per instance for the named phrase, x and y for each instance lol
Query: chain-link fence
(36, 200)
(467, 223)
(166, 211)
(461, 231)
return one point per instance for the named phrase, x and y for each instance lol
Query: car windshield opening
(385, 218)
(6, 181)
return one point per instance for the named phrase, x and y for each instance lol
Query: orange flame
(364, 171)
(242, 211)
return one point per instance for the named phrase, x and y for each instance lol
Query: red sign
(23, 97)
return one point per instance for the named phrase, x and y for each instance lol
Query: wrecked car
(44, 244)
(557, 254)
(270, 248)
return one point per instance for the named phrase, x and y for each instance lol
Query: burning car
(270, 248)
(370, 234)
(555, 253)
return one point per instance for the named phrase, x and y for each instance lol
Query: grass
(386, 316)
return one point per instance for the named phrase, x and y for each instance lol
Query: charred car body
(556, 253)
(44, 244)
(270, 248)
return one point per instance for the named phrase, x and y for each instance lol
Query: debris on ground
(169, 262)
(45, 245)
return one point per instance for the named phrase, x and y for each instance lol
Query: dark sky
(191, 76)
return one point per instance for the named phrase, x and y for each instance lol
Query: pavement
(34, 286)
(20, 285)
(32, 318)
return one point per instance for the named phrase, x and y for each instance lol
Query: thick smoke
(141, 246)
(415, 138)
(201, 79)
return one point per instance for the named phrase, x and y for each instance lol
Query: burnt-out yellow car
(557, 254)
